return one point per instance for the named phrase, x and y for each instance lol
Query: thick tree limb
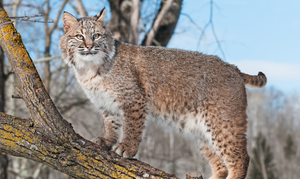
(46, 137)
(80, 158)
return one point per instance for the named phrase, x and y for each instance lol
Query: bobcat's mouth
(88, 53)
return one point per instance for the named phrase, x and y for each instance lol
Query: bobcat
(198, 94)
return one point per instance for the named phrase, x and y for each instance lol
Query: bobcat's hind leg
(236, 157)
(110, 130)
(219, 170)
(231, 144)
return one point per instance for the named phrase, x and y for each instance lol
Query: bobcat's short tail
(255, 81)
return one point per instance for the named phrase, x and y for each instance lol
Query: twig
(198, 27)
(47, 59)
(57, 17)
(18, 89)
(23, 18)
(210, 22)
(17, 96)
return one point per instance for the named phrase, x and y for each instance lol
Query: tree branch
(46, 59)
(80, 158)
(210, 22)
(157, 21)
(134, 23)
(58, 16)
(81, 8)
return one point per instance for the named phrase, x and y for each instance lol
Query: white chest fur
(100, 96)
(103, 100)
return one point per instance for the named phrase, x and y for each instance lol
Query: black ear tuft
(101, 15)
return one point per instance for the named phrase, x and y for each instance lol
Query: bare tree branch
(198, 27)
(47, 59)
(58, 15)
(211, 24)
(81, 8)
(157, 21)
(25, 18)
(48, 39)
(134, 22)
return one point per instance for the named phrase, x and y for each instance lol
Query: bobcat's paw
(103, 142)
(124, 150)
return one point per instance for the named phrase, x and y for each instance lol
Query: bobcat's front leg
(133, 126)
(110, 130)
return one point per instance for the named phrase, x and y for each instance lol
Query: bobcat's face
(86, 41)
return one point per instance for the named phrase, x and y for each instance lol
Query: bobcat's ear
(68, 21)
(100, 16)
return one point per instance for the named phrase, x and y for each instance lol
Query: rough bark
(46, 137)
(192, 175)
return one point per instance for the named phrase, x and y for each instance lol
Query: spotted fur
(198, 94)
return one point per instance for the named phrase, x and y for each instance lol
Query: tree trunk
(48, 138)
(120, 19)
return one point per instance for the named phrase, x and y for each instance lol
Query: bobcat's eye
(80, 37)
(96, 36)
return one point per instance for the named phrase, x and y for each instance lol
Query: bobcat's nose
(89, 46)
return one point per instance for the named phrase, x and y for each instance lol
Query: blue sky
(255, 35)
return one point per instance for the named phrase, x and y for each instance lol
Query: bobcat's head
(86, 40)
